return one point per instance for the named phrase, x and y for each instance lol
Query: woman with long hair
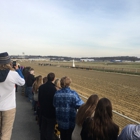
(101, 126)
(86, 110)
(9, 77)
(38, 82)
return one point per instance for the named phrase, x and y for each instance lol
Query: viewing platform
(25, 126)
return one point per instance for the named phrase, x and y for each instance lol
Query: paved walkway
(25, 126)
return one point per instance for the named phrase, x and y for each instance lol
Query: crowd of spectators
(77, 120)
(54, 102)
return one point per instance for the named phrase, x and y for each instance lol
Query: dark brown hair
(87, 109)
(51, 76)
(102, 125)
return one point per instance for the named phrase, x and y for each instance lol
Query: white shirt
(7, 90)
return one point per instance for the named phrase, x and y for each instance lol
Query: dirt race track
(122, 90)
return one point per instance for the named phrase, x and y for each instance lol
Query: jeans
(47, 128)
(29, 93)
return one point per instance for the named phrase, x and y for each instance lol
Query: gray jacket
(130, 132)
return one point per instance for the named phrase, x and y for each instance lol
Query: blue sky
(77, 28)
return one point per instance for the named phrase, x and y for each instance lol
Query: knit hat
(4, 58)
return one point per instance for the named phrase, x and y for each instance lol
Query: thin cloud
(72, 28)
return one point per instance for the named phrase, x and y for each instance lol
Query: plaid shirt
(66, 101)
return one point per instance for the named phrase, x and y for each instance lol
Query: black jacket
(30, 80)
(45, 98)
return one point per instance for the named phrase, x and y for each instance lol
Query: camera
(14, 64)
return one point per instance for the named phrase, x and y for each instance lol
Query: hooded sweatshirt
(8, 79)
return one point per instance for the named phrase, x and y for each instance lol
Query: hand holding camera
(15, 66)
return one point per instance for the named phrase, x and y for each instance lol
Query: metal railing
(134, 121)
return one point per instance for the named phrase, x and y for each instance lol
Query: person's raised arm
(78, 101)
(18, 71)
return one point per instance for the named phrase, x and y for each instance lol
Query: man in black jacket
(29, 82)
(45, 98)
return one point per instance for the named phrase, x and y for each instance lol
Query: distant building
(87, 60)
(116, 60)
(138, 61)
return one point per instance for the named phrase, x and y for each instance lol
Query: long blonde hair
(57, 84)
(38, 82)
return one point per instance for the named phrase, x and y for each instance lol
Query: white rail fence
(134, 121)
